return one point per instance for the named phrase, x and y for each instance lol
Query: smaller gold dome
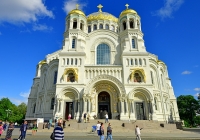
(42, 62)
(128, 11)
(76, 11)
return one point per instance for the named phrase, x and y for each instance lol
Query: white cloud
(197, 89)
(20, 11)
(186, 72)
(196, 66)
(71, 4)
(169, 7)
(41, 27)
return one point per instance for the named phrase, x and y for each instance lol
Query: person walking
(50, 123)
(137, 133)
(106, 118)
(58, 132)
(23, 130)
(9, 131)
(1, 130)
(34, 129)
(109, 132)
(98, 128)
(101, 132)
(84, 117)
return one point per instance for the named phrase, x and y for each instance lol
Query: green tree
(16, 114)
(187, 106)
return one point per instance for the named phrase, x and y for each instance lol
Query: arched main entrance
(104, 105)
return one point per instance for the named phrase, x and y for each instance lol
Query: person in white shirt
(106, 118)
(137, 133)
(98, 127)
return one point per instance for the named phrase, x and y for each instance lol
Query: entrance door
(104, 105)
(140, 111)
(69, 110)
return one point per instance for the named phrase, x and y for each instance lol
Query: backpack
(101, 131)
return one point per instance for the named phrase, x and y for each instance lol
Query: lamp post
(8, 111)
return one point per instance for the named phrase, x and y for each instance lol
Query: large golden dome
(101, 16)
(76, 11)
(128, 11)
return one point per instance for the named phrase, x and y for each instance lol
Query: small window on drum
(133, 43)
(107, 27)
(101, 26)
(124, 25)
(95, 27)
(74, 24)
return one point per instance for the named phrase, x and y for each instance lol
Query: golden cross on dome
(77, 5)
(127, 6)
(100, 7)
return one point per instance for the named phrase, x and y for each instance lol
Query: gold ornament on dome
(102, 16)
(127, 11)
(76, 11)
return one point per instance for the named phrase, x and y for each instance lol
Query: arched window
(152, 78)
(89, 29)
(124, 25)
(55, 77)
(73, 43)
(67, 61)
(137, 78)
(76, 61)
(71, 77)
(155, 102)
(131, 61)
(145, 62)
(75, 24)
(71, 61)
(34, 107)
(131, 24)
(107, 27)
(100, 26)
(52, 103)
(103, 54)
(63, 61)
(95, 27)
(136, 62)
(140, 62)
(81, 26)
(133, 43)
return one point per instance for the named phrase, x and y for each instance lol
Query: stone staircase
(122, 126)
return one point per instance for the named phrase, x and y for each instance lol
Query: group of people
(100, 131)
(10, 127)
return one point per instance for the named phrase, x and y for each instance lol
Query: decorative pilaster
(84, 104)
(154, 117)
(132, 111)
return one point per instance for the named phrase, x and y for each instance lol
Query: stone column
(84, 105)
(75, 109)
(128, 24)
(89, 106)
(71, 24)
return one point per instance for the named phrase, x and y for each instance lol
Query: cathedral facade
(103, 66)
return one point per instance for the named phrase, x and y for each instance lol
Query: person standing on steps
(106, 118)
(137, 133)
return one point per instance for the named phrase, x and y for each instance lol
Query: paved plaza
(45, 135)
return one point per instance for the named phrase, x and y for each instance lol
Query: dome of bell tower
(127, 11)
(77, 11)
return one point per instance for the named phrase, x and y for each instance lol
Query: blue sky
(31, 30)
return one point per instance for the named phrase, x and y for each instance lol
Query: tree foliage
(187, 106)
(16, 113)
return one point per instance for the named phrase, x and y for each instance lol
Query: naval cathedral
(103, 66)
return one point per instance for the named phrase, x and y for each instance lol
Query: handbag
(52, 136)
